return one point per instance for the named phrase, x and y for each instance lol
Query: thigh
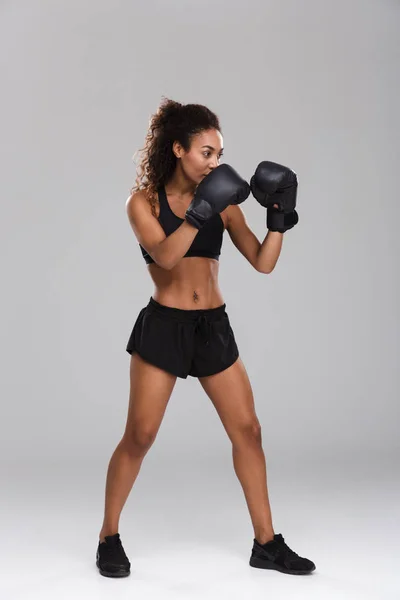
(150, 391)
(231, 393)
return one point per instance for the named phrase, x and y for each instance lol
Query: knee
(139, 439)
(248, 432)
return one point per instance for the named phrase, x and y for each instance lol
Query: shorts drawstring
(203, 326)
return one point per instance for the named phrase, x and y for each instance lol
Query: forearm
(269, 252)
(169, 252)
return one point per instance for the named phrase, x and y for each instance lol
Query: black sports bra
(208, 240)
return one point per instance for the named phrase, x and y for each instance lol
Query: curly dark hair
(171, 122)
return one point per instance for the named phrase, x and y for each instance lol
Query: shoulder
(136, 201)
(145, 225)
(138, 205)
(234, 214)
(230, 213)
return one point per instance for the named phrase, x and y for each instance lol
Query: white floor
(188, 534)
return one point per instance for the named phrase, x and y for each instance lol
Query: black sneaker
(275, 554)
(111, 558)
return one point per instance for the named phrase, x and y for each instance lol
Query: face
(203, 156)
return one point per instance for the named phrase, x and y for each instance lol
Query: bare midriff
(192, 284)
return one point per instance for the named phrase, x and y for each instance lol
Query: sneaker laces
(284, 549)
(115, 548)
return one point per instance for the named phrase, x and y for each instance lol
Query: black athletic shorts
(184, 342)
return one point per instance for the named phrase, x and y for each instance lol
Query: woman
(179, 215)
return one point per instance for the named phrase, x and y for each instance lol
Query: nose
(214, 164)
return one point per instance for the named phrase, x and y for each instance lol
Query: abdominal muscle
(191, 284)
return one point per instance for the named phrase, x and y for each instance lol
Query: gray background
(311, 84)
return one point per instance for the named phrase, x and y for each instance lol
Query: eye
(207, 154)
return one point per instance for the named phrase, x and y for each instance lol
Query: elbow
(163, 264)
(161, 261)
(166, 267)
(264, 270)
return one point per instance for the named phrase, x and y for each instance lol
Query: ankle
(263, 537)
(105, 532)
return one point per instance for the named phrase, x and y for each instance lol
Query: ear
(177, 149)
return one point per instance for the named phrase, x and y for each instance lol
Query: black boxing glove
(222, 187)
(274, 184)
(279, 221)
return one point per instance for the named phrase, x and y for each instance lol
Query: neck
(179, 185)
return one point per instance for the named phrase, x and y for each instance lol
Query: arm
(165, 251)
(221, 187)
(262, 256)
